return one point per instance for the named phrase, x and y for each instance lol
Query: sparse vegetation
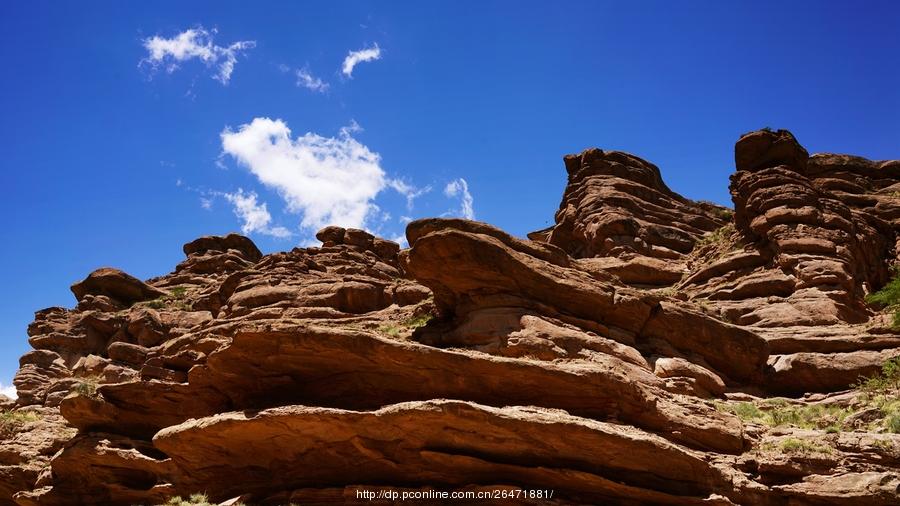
(880, 403)
(192, 500)
(780, 413)
(669, 291)
(417, 321)
(892, 423)
(391, 330)
(725, 214)
(796, 445)
(884, 444)
(882, 391)
(174, 300)
(718, 236)
(889, 297)
(406, 325)
(885, 384)
(12, 421)
(87, 386)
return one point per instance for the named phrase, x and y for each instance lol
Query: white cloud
(328, 180)
(409, 191)
(194, 43)
(9, 391)
(356, 57)
(306, 80)
(401, 240)
(460, 188)
(255, 215)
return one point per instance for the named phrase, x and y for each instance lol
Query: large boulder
(765, 148)
(116, 284)
(243, 245)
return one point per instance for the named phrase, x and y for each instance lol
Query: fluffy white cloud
(328, 180)
(306, 80)
(9, 391)
(194, 43)
(459, 188)
(255, 215)
(356, 57)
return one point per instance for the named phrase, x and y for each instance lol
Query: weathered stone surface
(616, 205)
(825, 372)
(27, 446)
(281, 363)
(490, 273)
(444, 443)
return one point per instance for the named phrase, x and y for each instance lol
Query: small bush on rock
(889, 297)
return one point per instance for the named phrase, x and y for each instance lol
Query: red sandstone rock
(583, 360)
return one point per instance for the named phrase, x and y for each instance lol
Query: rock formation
(646, 349)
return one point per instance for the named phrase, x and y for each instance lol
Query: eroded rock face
(605, 359)
(616, 205)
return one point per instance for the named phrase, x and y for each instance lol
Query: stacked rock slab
(619, 216)
(814, 235)
(597, 361)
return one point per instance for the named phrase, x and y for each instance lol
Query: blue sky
(112, 156)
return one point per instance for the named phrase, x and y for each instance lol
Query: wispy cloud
(327, 180)
(409, 191)
(306, 80)
(356, 57)
(459, 188)
(194, 43)
(9, 391)
(255, 215)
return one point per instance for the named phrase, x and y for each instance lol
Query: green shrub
(174, 301)
(889, 297)
(892, 423)
(87, 386)
(887, 383)
(417, 321)
(159, 303)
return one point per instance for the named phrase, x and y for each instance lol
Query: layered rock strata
(633, 353)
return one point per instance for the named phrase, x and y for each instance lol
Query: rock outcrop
(646, 349)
